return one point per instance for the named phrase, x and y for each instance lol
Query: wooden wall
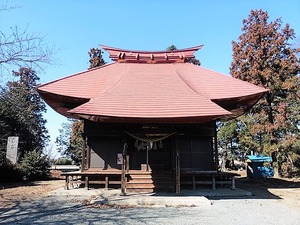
(193, 140)
(104, 151)
(196, 153)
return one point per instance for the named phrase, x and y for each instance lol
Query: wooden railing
(212, 177)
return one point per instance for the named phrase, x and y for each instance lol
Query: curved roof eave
(62, 104)
(114, 119)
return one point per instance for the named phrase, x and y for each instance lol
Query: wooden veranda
(148, 181)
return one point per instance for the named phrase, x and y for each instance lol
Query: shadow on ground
(38, 212)
(51, 211)
(260, 187)
(246, 188)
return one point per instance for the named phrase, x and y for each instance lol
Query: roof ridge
(165, 56)
(195, 48)
(116, 83)
(188, 84)
(208, 99)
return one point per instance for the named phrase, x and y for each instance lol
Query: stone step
(140, 181)
(139, 185)
(150, 186)
(140, 176)
(146, 181)
(140, 190)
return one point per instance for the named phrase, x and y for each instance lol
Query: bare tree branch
(19, 48)
(6, 7)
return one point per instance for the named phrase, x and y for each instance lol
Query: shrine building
(150, 119)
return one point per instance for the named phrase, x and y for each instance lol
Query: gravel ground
(50, 210)
(276, 205)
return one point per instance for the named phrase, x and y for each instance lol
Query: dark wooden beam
(177, 170)
(83, 162)
(215, 148)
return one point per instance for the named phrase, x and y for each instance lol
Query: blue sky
(76, 26)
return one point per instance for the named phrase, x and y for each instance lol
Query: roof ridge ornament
(137, 56)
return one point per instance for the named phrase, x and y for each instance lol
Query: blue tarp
(259, 158)
(256, 167)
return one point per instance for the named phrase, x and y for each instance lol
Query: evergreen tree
(227, 135)
(21, 112)
(70, 140)
(264, 56)
(96, 58)
(35, 166)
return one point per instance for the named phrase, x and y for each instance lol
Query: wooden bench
(207, 177)
(105, 177)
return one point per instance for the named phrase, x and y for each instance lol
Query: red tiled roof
(152, 92)
(87, 84)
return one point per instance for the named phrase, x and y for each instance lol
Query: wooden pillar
(67, 182)
(216, 148)
(86, 182)
(88, 154)
(106, 182)
(83, 162)
(177, 169)
(194, 182)
(213, 182)
(123, 176)
(127, 163)
(147, 158)
(233, 183)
